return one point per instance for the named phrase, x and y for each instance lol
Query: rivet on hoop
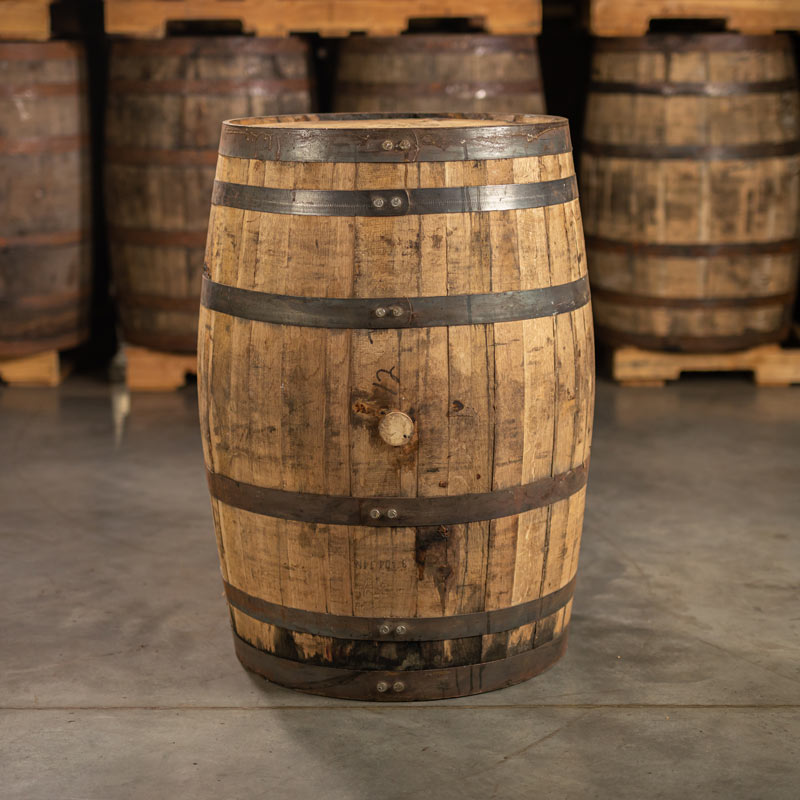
(385, 629)
(380, 311)
(396, 202)
(388, 145)
(382, 686)
(398, 686)
(401, 630)
(377, 202)
(392, 513)
(375, 514)
(404, 144)
(397, 311)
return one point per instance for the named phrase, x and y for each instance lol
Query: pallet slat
(25, 19)
(771, 365)
(632, 17)
(155, 371)
(42, 369)
(149, 18)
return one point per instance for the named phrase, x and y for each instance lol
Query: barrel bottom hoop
(690, 344)
(46, 239)
(414, 629)
(398, 202)
(163, 342)
(690, 303)
(396, 512)
(657, 250)
(693, 152)
(159, 302)
(16, 348)
(395, 312)
(153, 238)
(401, 685)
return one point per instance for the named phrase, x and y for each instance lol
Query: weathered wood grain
(691, 190)
(45, 251)
(494, 406)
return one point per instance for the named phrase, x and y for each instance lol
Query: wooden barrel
(396, 386)
(448, 72)
(690, 177)
(45, 200)
(167, 100)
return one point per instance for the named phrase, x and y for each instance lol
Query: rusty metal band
(67, 301)
(159, 302)
(691, 344)
(208, 46)
(43, 144)
(40, 51)
(471, 89)
(694, 152)
(466, 43)
(45, 239)
(511, 136)
(688, 43)
(168, 342)
(413, 629)
(395, 312)
(689, 303)
(150, 238)
(407, 511)
(745, 249)
(24, 91)
(395, 202)
(401, 685)
(14, 346)
(666, 89)
(183, 86)
(150, 156)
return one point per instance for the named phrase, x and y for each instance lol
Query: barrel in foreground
(691, 184)
(396, 390)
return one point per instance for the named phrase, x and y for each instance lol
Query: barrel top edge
(295, 122)
(394, 137)
(693, 41)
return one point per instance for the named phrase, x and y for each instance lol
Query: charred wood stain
(430, 555)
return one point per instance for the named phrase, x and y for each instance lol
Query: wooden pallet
(43, 369)
(633, 17)
(330, 18)
(25, 19)
(771, 365)
(155, 371)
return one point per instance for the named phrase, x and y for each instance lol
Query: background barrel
(690, 179)
(45, 202)
(447, 72)
(396, 386)
(166, 101)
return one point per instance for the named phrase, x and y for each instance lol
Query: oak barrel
(45, 200)
(396, 387)
(166, 102)
(439, 72)
(690, 176)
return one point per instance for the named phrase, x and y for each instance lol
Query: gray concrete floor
(682, 679)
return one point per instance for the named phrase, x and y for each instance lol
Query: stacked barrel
(690, 184)
(439, 72)
(166, 101)
(45, 213)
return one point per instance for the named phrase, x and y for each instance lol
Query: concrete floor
(682, 679)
